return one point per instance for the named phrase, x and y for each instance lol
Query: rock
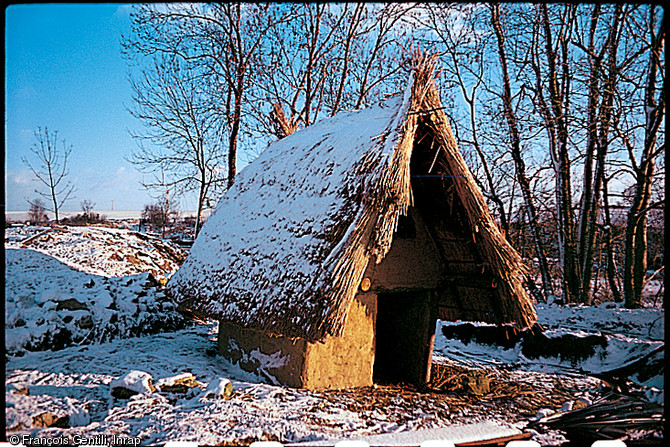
(133, 260)
(134, 382)
(476, 384)
(120, 392)
(71, 304)
(17, 389)
(250, 364)
(220, 388)
(80, 418)
(17, 427)
(179, 384)
(579, 404)
(85, 322)
(544, 412)
(50, 420)
(151, 281)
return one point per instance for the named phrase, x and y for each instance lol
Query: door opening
(405, 334)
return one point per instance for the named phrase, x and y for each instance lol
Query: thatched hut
(330, 260)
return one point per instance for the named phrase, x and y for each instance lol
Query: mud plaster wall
(412, 263)
(336, 362)
(345, 361)
(275, 358)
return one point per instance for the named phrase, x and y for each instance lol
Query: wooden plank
(485, 434)
(34, 237)
(500, 441)
(503, 440)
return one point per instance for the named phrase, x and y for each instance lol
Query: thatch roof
(287, 246)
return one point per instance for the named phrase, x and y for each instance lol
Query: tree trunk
(234, 131)
(611, 264)
(587, 210)
(355, 22)
(201, 199)
(518, 159)
(635, 259)
(556, 120)
(53, 194)
(600, 124)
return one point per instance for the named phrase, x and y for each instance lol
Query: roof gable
(264, 255)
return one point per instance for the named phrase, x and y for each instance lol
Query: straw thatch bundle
(288, 245)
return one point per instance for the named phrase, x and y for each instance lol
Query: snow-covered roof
(287, 246)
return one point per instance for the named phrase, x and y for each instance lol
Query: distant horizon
(18, 216)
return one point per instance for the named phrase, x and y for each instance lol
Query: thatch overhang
(287, 246)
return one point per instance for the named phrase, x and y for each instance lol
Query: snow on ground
(76, 381)
(69, 391)
(647, 323)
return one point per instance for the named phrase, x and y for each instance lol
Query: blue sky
(64, 70)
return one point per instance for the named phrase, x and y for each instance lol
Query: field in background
(22, 216)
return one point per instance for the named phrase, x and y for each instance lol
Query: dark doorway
(405, 333)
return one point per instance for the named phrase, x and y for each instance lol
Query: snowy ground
(72, 385)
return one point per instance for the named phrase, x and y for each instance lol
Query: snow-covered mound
(600, 340)
(645, 323)
(100, 250)
(60, 292)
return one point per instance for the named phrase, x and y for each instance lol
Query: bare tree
(464, 46)
(378, 61)
(219, 41)
(326, 57)
(238, 36)
(349, 36)
(183, 130)
(522, 179)
(567, 86)
(159, 215)
(635, 261)
(609, 245)
(87, 210)
(37, 212)
(50, 168)
(550, 60)
(297, 62)
(601, 49)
